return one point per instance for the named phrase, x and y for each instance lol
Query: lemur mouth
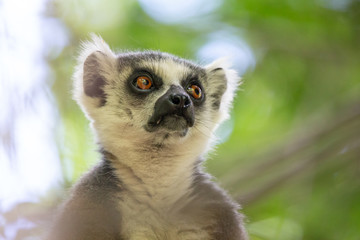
(172, 122)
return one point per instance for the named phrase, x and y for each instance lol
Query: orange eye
(143, 82)
(194, 91)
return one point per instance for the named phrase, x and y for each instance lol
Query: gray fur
(150, 184)
(93, 80)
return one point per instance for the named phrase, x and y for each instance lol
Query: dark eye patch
(190, 81)
(132, 81)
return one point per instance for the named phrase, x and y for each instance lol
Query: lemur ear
(93, 80)
(96, 63)
(223, 83)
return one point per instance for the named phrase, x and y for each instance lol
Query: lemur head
(151, 97)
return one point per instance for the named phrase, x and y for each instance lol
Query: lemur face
(151, 93)
(165, 94)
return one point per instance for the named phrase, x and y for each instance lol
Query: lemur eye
(194, 91)
(143, 82)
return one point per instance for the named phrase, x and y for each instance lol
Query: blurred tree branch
(337, 138)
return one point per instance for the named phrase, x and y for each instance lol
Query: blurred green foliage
(307, 76)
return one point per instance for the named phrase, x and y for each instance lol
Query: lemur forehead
(160, 63)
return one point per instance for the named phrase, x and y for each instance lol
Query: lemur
(153, 116)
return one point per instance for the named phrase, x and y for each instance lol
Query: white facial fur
(113, 117)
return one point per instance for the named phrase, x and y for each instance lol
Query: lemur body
(153, 115)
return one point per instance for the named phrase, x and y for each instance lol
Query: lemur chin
(153, 115)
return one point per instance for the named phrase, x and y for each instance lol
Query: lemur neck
(159, 173)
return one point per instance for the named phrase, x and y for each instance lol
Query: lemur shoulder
(153, 115)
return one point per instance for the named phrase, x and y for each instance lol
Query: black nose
(179, 101)
(174, 102)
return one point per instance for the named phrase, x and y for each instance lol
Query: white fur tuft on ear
(103, 61)
(221, 68)
(95, 44)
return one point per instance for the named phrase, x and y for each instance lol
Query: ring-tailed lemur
(153, 115)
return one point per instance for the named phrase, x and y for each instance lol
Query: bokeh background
(290, 154)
